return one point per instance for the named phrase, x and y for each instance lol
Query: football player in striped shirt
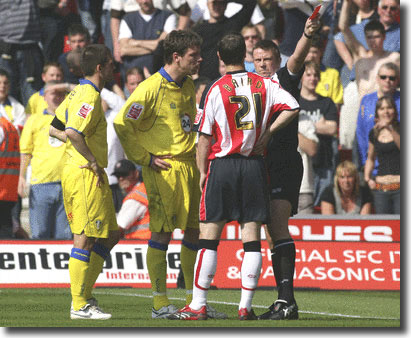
(233, 179)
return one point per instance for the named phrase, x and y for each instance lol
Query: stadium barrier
(332, 253)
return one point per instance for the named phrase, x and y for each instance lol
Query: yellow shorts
(89, 208)
(173, 196)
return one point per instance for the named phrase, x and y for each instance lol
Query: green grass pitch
(132, 308)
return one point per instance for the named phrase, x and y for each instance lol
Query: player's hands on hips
(99, 172)
(261, 144)
(157, 163)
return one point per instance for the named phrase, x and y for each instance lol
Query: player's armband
(56, 123)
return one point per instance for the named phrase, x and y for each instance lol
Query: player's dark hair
(78, 29)
(232, 49)
(179, 42)
(268, 45)
(5, 73)
(374, 25)
(92, 56)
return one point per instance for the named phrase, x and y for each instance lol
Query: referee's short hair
(231, 49)
(93, 55)
(179, 41)
(268, 45)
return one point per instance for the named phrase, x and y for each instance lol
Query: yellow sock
(157, 269)
(97, 258)
(188, 257)
(78, 269)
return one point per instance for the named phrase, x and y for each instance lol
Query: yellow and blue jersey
(36, 103)
(330, 85)
(157, 119)
(81, 111)
(48, 153)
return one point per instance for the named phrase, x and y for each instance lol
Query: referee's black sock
(283, 260)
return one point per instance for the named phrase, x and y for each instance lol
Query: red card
(315, 13)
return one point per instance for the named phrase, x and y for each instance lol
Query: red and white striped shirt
(237, 110)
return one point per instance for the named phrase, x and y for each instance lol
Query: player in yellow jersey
(154, 127)
(87, 196)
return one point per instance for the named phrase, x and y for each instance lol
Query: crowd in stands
(349, 124)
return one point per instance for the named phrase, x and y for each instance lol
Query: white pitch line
(256, 306)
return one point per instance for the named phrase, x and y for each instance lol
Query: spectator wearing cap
(133, 219)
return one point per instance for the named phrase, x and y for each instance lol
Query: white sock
(250, 273)
(204, 270)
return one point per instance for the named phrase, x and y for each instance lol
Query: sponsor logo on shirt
(135, 111)
(84, 110)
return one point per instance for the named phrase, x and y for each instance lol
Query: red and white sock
(250, 273)
(204, 271)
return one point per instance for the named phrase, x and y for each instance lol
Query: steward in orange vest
(133, 218)
(9, 161)
(139, 228)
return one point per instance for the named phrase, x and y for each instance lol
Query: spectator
(387, 11)
(367, 62)
(9, 174)
(329, 84)
(346, 196)
(367, 59)
(251, 35)
(274, 20)
(323, 113)
(307, 146)
(54, 17)
(385, 145)
(90, 12)
(78, 38)
(140, 33)
(46, 154)
(201, 12)
(360, 10)
(111, 104)
(215, 28)
(134, 76)
(20, 52)
(388, 79)
(296, 13)
(120, 7)
(10, 108)
(52, 71)
(133, 219)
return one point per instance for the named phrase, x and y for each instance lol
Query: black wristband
(308, 36)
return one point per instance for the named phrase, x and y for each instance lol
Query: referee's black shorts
(285, 171)
(236, 189)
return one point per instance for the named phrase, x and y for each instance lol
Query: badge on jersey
(186, 123)
(198, 116)
(135, 111)
(84, 110)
